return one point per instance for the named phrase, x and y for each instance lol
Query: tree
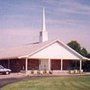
(84, 52)
(77, 47)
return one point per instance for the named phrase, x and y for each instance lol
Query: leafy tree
(77, 47)
(84, 52)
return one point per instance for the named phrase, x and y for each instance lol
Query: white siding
(55, 51)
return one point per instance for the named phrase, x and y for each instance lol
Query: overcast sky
(21, 21)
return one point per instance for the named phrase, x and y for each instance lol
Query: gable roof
(30, 49)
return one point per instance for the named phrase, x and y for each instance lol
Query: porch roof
(29, 49)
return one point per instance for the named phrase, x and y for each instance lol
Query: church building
(51, 55)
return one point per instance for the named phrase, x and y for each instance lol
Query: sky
(21, 21)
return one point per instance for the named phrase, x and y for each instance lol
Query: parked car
(4, 70)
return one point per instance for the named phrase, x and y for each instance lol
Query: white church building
(52, 55)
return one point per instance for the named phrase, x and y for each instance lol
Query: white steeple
(44, 25)
(43, 33)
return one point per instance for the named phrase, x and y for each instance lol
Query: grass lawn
(52, 83)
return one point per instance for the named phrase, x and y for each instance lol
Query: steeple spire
(44, 24)
(43, 33)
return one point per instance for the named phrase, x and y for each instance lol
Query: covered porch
(53, 65)
(27, 65)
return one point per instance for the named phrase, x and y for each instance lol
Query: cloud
(69, 6)
(74, 24)
(77, 8)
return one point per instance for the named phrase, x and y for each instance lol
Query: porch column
(61, 64)
(49, 64)
(8, 63)
(26, 64)
(80, 65)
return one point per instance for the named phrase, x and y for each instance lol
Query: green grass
(52, 83)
